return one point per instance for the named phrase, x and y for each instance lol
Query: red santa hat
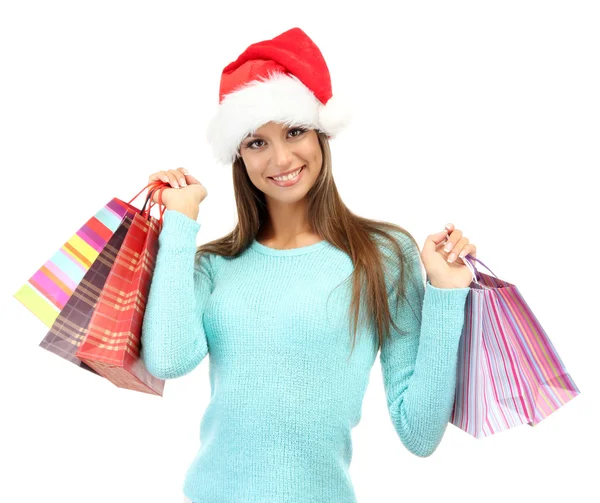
(284, 80)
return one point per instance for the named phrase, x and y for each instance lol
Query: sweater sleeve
(419, 366)
(173, 339)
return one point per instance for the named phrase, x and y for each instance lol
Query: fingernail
(448, 246)
(448, 226)
(451, 257)
(165, 178)
(462, 254)
(182, 182)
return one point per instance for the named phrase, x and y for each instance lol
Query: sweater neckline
(267, 250)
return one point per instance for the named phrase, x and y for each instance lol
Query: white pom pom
(335, 115)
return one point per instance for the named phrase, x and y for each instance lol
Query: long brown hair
(333, 221)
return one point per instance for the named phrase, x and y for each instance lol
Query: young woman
(295, 303)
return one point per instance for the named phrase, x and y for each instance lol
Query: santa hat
(284, 80)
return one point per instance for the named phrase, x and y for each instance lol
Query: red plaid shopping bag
(112, 343)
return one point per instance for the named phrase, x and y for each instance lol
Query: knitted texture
(285, 392)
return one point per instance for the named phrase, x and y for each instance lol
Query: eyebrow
(256, 135)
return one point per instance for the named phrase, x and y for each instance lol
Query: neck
(286, 223)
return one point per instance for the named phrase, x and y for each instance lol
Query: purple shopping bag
(508, 371)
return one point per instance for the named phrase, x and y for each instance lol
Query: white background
(483, 114)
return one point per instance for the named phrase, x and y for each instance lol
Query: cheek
(317, 155)
(254, 173)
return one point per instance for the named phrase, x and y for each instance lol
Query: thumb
(433, 241)
(190, 179)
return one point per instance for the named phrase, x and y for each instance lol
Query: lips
(291, 171)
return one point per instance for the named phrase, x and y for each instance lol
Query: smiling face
(276, 148)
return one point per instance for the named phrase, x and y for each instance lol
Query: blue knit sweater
(285, 392)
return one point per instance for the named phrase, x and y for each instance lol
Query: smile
(295, 177)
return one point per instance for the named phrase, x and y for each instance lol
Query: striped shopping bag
(508, 371)
(46, 293)
(112, 342)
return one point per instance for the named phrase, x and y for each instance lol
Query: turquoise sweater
(284, 393)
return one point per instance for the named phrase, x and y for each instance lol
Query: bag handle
(470, 263)
(152, 187)
(151, 184)
(151, 191)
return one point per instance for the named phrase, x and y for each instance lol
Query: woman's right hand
(186, 193)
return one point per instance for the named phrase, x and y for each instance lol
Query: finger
(181, 176)
(457, 248)
(433, 241)
(439, 237)
(159, 175)
(454, 238)
(173, 175)
(470, 250)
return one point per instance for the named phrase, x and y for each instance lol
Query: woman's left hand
(441, 272)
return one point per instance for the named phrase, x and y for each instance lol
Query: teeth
(288, 177)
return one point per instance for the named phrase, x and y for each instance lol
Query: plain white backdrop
(483, 114)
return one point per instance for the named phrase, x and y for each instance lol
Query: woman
(295, 303)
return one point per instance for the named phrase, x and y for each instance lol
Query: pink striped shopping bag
(46, 293)
(508, 371)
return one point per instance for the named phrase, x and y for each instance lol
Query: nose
(282, 154)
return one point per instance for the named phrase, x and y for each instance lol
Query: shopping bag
(70, 326)
(112, 343)
(51, 286)
(508, 371)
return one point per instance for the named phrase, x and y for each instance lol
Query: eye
(300, 130)
(249, 145)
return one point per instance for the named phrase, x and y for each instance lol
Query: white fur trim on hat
(281, 98)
